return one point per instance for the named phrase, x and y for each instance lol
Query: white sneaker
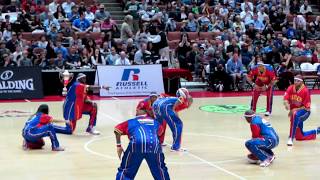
(272, 158)
(267, 114)
(93, 131)
(265, 163)
(289, 143)
(178, 150)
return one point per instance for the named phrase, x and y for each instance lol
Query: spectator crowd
(216, 40)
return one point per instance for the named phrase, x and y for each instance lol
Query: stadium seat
(174, 36)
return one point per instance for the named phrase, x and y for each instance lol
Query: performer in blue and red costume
(143, 133)
(264, 139)
(78, 103)
(167, 109)
(297, 100)
(264, 77)
(40, 126)
(145, 107)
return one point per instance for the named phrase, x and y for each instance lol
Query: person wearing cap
(37, 127)
(77, 103)
(264, 139)
(101, 14)
(298, 101)
(167, 109)
(264, 78)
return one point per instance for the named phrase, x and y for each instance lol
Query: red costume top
(263, 74)
(298, 98)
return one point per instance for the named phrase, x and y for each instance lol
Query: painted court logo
(229, 108)
(131, 80)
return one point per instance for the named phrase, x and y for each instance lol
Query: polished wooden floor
(215, 144)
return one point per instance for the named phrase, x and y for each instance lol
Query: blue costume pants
(37, 133)
(131, 162)
(262, 147)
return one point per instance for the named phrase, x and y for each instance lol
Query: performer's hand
(258, 88)
(119, 151)
(106, 87)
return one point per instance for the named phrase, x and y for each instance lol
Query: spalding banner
(136, 80)
(20, 83)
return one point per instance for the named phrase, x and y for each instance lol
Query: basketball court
(214, 140)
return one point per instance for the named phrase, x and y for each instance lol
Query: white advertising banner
(135, 80)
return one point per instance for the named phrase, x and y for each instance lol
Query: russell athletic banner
(135, 80)
(20, 83)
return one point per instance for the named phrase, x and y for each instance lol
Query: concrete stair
(115, 9)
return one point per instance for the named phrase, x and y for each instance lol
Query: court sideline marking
(190, 154)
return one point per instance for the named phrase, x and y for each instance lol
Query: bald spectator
(123, 60)
(192, 25)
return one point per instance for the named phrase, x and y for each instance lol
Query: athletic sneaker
(272, 158)
(266, 162)
(252, 159)
(267, 114)
(92, 131)
(58, 149)
(178, 150)
(289, 143)
(24, 145)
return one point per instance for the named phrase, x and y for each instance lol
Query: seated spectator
(53, 6)
(132, 8)
(25, 61)
(299, 22)
(61, 49)
(192, 25)
(123, 60)
(106, 25)
(43, 42)
(5, 23)
(89, 15)
(81, 24)
(51, 22)
(246, 16)
(59, 14)
(101, 14)
(141, 55)
(73, 59)
(306, 9)
(7, 34)
(97, 59)
(17, 55)
(13, 43)
(3, 50)
(313, 34)
(142, 35)
(59, 62)
(236, 70)
(294, 7)
(74, 14)
(112, 57)
(8, 62)
(85, 60)
(316, 23)
(67, 6)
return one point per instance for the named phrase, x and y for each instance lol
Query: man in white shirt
(89, 15)
(247, 4)
(53, 6)
(123, 60)
(67, 6)
(246, 16)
